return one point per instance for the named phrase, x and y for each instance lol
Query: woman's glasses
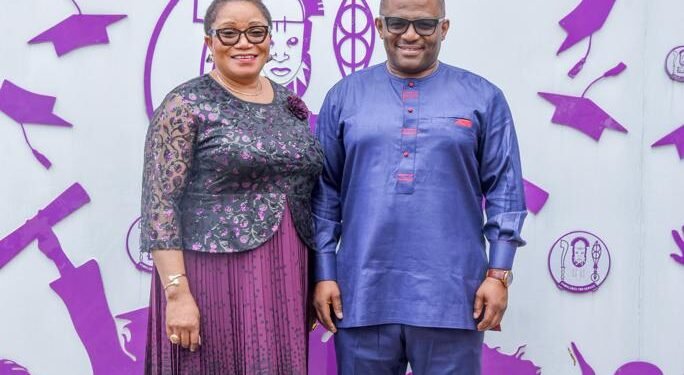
(230, 37)
(423, 26)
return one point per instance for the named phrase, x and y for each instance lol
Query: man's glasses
(230, 37)
(423, 26)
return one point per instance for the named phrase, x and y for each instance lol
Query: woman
(229, 168)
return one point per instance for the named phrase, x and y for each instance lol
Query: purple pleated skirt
(252, 312)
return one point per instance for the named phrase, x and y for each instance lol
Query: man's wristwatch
(505, 276)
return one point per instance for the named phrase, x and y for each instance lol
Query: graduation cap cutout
(535, 197)
(583, 114)
(25, 107)
(586, 19)
(675, 138)
(78, 31)
(679, 258)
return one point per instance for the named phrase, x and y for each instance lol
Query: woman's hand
(182, 318)
(182, 314)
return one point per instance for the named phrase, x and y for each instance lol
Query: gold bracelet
(174, 280)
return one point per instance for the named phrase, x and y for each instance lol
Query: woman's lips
(244, 58)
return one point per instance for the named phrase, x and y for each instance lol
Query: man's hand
(327, 294)
(492, 296)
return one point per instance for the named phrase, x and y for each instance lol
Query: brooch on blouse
(297, 106)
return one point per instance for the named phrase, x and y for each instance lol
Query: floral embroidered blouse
(219, 171)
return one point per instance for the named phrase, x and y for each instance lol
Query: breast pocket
(454, 132)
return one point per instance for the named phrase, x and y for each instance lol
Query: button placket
(405, 178)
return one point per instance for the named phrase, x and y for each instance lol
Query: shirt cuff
(501, 254)
(325, 267)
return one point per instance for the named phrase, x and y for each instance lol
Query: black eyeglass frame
(217, 34)
(409, 23)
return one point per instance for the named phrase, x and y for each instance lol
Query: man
(412, 147)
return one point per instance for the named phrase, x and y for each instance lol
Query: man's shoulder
(466, 77)
(363, 74)
(359, 80)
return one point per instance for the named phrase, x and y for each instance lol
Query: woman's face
(244, 60)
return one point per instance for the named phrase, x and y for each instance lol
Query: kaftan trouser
(387, 349)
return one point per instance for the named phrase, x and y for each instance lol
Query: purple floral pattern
(219, 171)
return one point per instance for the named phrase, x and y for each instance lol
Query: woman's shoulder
(288, 99)
(184, 97)
(192, 88)
(281, 91)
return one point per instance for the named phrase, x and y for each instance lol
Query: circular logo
(142, 261)
(579, 262)
(674, 64)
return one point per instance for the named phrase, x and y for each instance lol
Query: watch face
(506, 277)
(509, 278)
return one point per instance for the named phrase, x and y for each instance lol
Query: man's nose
(410, 34)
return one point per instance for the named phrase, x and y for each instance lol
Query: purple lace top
(219, 171)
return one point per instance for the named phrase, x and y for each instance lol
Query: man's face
(412, 54)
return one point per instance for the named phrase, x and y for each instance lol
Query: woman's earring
(210, 58)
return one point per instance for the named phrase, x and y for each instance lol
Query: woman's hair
(213, 9)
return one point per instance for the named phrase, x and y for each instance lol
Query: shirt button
(406, 154)
(411, 84)
(410, 109)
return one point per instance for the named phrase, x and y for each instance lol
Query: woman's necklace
(219, 76)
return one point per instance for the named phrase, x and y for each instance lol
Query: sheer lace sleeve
(169, 149)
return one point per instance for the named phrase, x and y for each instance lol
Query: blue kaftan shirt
(408, 164)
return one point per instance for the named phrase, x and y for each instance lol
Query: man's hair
(212, 10)
(442, 5)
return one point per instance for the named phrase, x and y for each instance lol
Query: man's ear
(379, 26)
(445, 28)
